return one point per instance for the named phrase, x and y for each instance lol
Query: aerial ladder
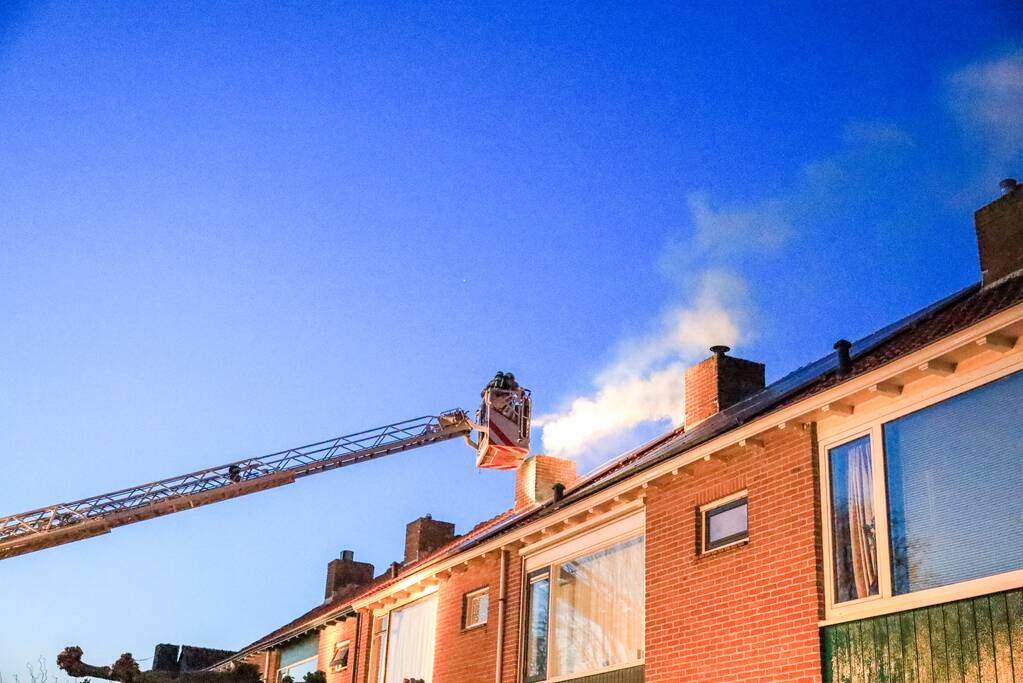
(502, 427)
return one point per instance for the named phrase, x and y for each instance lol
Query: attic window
(724, 522)
(340, 660)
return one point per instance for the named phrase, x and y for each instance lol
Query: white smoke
(988, 99)
(644, 381)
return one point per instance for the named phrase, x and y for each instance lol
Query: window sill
(727, 546)
(877, 606)
(594, 672)
(475, 627)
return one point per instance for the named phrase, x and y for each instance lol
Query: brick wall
(745, 613)
(466, 655)
(331, 635)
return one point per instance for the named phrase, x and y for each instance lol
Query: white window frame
(617, 530)
(466, 611)
(284, 671)
(338, 646)
(381, 651)
(871, 423)
(705, 511)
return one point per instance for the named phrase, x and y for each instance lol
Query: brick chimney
(344, 573)
(536, 477)
(165, 658)
(718, 382)
(425, 535)
(1000, 233)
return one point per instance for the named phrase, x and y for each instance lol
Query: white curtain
(599, 610)
(862, 545)
(410, 641)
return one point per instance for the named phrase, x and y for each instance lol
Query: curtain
(599, 610)
(854, 546)
(862, 542)
(410, 641)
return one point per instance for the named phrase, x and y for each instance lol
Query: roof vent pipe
(842, 346)
(559, 491)
(1007, 186)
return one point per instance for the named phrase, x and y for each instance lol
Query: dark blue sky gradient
(229, 228)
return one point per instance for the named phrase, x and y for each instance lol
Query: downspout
(355, 655)
(502, 598)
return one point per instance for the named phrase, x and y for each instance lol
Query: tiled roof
(939, 320)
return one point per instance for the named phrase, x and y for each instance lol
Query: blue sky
(229, 229)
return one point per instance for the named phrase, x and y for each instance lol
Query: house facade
(860, 519)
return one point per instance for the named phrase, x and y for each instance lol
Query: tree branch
(126, 670)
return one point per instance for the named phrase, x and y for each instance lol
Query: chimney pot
(720, 350)
(559, 491)
(1007, 185)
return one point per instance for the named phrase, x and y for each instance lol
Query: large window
(299, 659)
(586, 614)
(403, 643)
(929, 499)
(955, 488)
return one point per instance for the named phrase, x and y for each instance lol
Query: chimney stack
(536, 477)
(425, 535)
(344, 573)
(1000, 233)
(718, 382)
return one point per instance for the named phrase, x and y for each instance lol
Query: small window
(724, 522)
(475, 608)
(340, 659)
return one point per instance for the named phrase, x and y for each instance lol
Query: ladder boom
(66, 522)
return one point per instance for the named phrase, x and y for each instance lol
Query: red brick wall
(336, 633)
(466, 655)
(745, 613)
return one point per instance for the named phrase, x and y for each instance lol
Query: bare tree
(126, 670)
